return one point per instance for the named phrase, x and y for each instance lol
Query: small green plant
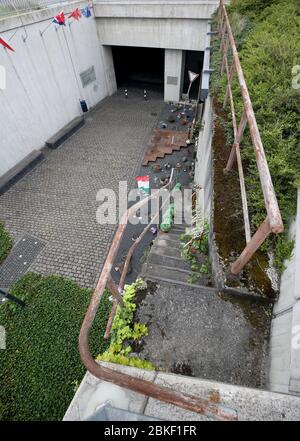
(194, 247)
(124, 331)
(284, 251)
(5, 242)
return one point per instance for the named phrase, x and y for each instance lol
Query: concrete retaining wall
(203, 168)
(43, 85)
(285, 333)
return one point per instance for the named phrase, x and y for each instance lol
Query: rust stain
(214, 396)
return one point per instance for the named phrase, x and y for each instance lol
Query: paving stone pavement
(56, 201)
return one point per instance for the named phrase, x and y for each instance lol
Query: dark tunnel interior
(139, 67)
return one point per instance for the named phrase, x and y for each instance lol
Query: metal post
(259, 237)
(114, 290)
(225, 54)
(240, 132)
(228, 84)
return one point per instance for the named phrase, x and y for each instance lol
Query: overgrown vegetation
(267, 34)
(195, 251)
(125, 332)
(41, 366)
(5, 242)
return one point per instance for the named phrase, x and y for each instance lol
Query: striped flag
(143, 183)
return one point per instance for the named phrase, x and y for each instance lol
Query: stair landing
(202, 332)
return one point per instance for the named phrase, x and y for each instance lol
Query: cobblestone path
(56, 201)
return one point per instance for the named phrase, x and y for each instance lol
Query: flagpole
(48, 25)
(74, 70)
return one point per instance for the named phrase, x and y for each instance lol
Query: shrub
(267, 56)
(41, 367)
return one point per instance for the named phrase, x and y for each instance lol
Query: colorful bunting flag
(60, 19)
(76, 14)
(6, 45)
(86, 12)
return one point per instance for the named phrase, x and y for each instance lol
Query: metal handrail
(273, 223)
(192, 403)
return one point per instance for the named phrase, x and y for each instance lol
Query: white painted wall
(284, 373)
(42, 92)
(203, 166)
(174, 66)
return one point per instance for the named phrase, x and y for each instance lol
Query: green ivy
(125, 331)
(41, 366)
(5, 242)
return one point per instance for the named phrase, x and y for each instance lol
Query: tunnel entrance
(193, 62)
(139, 67)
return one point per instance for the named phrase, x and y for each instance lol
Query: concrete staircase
(166, 264)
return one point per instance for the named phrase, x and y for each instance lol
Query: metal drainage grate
(20, 258)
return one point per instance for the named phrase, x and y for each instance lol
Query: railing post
(220, 18)
(259, 237)
(240, 132)
(111, 285)
(225, 54)
(228, 85)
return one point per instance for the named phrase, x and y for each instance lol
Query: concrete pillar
(174, 60)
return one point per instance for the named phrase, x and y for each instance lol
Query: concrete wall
(285, 333)
(195, 9)
(43, 84)
(169, 33)
(203, 167)
(174, 67)
(172, 24)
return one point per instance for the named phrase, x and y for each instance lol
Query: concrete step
(171, 236)
(163, 242)
(168, 237)
(179, 229)
(166, 251)
(18, 171)
(63, 134)
(171, 275)
(169, 261)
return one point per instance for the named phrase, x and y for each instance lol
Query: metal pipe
(259, 237)
(237, 152)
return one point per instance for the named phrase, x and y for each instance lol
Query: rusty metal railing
(273, 222)
(203, 406)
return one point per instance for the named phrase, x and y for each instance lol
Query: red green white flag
(143, 183)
